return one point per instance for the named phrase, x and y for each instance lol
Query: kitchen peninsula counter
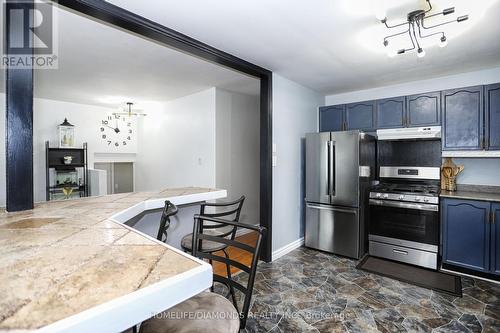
(73, 266)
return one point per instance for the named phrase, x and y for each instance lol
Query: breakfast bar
(73, 266)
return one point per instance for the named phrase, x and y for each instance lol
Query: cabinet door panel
(361, 116)
(391, 112)
(463, 118)
(424, 109)
(331, 118)
(492, 115)
(466, 233)
(495, 239)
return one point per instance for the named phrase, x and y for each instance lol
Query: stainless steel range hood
(411, 133)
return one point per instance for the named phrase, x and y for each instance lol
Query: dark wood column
(19, 132)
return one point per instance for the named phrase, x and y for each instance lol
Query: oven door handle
(398, 204)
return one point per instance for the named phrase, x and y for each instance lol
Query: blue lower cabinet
(361, 116)
(466, 233)
(331, 118)
(495, 239)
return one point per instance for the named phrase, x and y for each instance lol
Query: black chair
(225, 211)
(208, 311)
(168, 210)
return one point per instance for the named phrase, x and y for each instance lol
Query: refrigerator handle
(327, 153)
(331, 168)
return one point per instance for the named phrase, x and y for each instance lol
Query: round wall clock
(116, 130)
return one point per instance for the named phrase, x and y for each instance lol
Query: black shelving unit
(54, 159)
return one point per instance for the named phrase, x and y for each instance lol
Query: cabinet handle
(492, 217)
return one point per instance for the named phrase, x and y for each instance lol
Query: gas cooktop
(426, 193)
(427, 189)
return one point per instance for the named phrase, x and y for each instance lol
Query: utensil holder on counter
(449, 172)
(449, 183)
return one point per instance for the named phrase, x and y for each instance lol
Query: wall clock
(116, 131)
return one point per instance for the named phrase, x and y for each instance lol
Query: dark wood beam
(19, 130)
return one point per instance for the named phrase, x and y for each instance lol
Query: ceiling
(102, 65)
(332, 46)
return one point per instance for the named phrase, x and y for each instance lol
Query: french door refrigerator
(339, 169)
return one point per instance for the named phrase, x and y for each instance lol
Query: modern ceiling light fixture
(129, 111)
(416, 24)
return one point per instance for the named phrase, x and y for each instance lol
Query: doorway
(119, 176)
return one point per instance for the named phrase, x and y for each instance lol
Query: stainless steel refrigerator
(339, 169)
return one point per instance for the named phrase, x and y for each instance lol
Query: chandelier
(129, 111)
(416, 29)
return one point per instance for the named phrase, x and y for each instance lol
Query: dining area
(74, 266)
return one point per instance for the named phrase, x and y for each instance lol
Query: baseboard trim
(287, 248)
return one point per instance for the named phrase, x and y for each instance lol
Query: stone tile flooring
(310, 291)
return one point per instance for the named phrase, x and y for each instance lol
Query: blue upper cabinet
(466, 233)
(463, 119)
(391, 112)
(331, 118)
(492, 113)
(495, 239)
(361, 116)
(424, 110)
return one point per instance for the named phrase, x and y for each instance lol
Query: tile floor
(310, 291)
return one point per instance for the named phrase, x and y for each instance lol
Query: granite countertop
(64, 257)
(474, 192)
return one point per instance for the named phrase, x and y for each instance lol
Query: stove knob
(426, 199)
(386, 196)
(417, 198)
(401, 197)
(379, 195)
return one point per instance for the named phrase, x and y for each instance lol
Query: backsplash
(479, 171)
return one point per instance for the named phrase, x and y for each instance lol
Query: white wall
(178, 143)
(47, 114)
(478, 171)
(238, 150)
(294, 115)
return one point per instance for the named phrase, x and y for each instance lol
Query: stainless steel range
(404, 215)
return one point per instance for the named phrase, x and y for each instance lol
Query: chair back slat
(225, 211)
(229, 281)
(226, 261)
(228, 242)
